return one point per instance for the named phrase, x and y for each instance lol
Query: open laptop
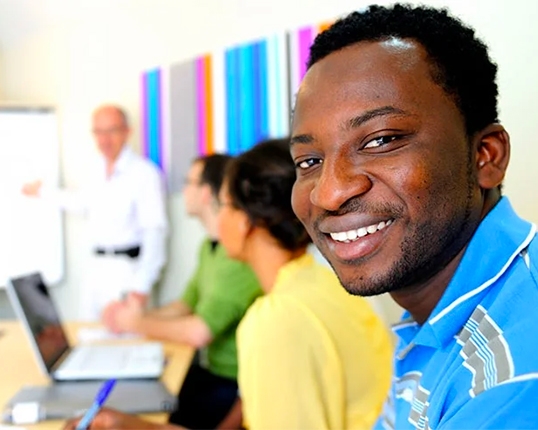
(32, 303)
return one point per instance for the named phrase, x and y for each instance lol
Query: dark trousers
(204, 399)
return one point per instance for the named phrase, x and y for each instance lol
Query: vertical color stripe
(272, 85)
(165, 121)
(184, 127)
(322, 27)
(263, 100)
(145, 115)
(218, 78)
(283, 89)
(305, 40)
(291, 49)
(257, 104)
(208, 105)
(245, 94)
(154, 123)
(200, 105)
(231, 70)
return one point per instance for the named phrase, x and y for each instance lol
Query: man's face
(384, 185)
(110, 132)
(232, 225)
(192, 194)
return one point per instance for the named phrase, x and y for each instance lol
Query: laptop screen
(41, 317)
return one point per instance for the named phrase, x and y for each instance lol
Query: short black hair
(460, 61)
(213, 170)
(260, 183)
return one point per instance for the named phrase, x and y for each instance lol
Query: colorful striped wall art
(223, 101)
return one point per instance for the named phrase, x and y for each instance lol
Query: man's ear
(206, 193)
(492, 156)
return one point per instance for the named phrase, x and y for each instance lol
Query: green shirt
(220, 293)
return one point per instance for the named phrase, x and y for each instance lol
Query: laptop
(67, 399)
(33, 305)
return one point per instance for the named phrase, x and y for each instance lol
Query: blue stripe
(257, 92)
(263, 88)
(230, 66)
(154, 106)
(246, 97)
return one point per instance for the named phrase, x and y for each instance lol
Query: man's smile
(355, 234)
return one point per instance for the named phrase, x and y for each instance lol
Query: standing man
(125, 205)
(400, 160)
(207, 314)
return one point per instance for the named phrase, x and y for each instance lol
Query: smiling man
(400, 160)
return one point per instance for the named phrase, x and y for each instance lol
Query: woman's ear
(492, 156)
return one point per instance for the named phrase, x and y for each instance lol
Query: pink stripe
(305, 40)
(144, 119)
(200, 106)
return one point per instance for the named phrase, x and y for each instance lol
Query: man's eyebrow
(354, 122)
(301, 138)
(358, 120)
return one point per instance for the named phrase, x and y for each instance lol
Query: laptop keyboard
(113, 358)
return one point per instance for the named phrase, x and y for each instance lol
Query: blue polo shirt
(474, 363)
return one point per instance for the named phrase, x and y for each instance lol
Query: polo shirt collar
(125, 158)
(498, 240)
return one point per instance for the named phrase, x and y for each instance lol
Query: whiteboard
(31, 231)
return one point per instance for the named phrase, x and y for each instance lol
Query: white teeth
(363, 231)
(351, 235)
(341, 237)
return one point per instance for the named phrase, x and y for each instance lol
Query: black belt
(133, 252)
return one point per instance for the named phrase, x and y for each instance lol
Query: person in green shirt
(207, 315)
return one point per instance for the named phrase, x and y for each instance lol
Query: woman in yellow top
(310, 355)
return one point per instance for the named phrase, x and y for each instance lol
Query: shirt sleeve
(150, 200)
(509, 405)
(151, 215)
(72, 201)
(151, 259)
(288, 372)
(190, 296)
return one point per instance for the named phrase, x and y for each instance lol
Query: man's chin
(365, 290)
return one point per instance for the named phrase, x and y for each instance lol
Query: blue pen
(99, 401)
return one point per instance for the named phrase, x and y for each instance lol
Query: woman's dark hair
(260, 182)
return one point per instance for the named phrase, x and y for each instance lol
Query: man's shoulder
(225, 273)
(142, 165)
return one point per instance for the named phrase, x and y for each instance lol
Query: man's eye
(379, 141)
(309, 162)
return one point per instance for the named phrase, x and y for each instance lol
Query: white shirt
(125, 210)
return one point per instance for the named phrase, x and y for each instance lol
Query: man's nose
(338, 183)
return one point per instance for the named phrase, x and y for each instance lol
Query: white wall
(77, 54)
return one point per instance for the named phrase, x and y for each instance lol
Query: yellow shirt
(311, 356)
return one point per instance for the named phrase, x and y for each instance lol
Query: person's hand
(111, 419)
(128, 314)
(108, 316)
(32, 189)
(140, 297)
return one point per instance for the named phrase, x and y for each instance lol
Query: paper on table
(95, 334)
